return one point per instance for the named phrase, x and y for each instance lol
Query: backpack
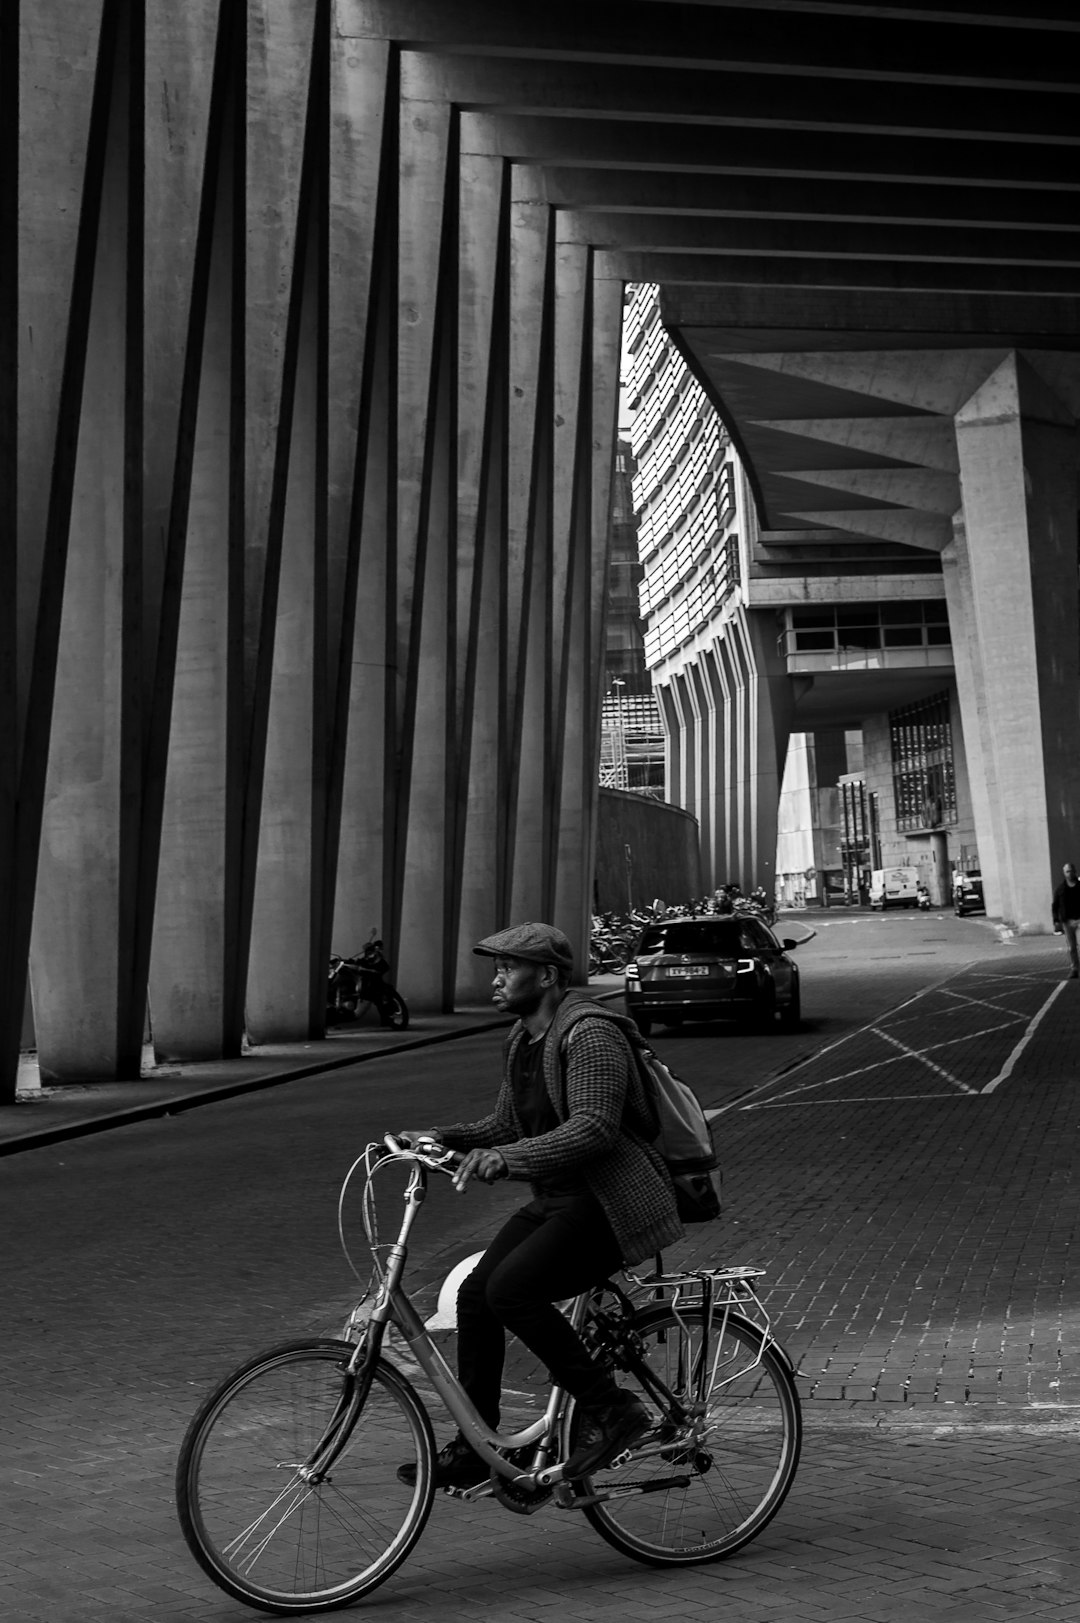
(684, 1138)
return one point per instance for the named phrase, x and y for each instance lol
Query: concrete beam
(914, 280)
(695, 191)
(922, 250)
(847, 316)
(822, 156)
(745, 36)
(737, 95)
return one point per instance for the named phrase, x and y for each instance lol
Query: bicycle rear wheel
(261, 1531)
(727, 1477)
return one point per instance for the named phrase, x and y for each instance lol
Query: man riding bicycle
(572, 1117)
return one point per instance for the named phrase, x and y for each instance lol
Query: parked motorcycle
(358, 983)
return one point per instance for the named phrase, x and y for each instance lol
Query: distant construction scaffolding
(631, 742)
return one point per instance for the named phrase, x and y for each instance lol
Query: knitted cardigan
(606, 1121)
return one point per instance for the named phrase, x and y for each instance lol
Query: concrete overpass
(308, 369)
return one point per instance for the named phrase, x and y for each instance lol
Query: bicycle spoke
(735, 1468)
(308, 1542)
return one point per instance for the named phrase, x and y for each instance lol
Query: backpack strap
(644, 1122)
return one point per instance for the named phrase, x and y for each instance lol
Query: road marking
(1007, 1069)
(920, 1055)
(1000, 1008)
(853, 1099)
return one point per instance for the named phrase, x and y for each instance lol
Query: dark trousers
(555, 1247)
(1070, 927)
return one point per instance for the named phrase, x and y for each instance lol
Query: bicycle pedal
(620, 1460)
(482, 1490)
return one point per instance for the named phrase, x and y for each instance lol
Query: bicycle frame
(394, 1307)
(733, 1286)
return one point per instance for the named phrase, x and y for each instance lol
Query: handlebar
(428, 1150)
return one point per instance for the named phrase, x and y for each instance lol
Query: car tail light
(745, 966)
(632, 971)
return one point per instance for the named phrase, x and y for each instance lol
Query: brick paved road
(917, 1237)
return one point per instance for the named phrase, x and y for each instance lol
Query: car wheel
(791, 1015)
(643, 1023)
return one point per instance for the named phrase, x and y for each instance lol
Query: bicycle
(287, 1486)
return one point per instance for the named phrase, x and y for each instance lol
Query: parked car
(894, 887)
(968, 894)
(710, 968)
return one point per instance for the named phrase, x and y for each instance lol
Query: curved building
(749, 646)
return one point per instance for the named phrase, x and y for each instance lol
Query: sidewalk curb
(39, 1138)
(35, 1139)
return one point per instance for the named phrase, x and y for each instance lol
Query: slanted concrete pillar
(194, 1009)
(971, 693)
(528, 552)
(481, 494)
(769, 720)
(285, 995)
(75, 953)
(1018, 470)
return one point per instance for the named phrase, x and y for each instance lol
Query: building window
(924, 780)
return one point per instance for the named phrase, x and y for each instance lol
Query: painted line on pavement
(1009, 1065)
(920, 1055)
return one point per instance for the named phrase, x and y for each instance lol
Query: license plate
(684, 970)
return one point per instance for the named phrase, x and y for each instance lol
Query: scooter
(922, 899)
(358, 983)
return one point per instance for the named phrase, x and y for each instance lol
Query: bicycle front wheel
(708, 1487)
(261, 1529)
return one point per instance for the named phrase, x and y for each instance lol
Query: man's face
(520, 985)
(1070, 873)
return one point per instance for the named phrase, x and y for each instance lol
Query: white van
(894, 887)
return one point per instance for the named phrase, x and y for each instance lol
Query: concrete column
(685, 790)
(724, 856)
(571, 584)
(733, 656)
(938, 882)
(771, 728)
(528, 553)
(698, 694)
(713, 834)
(79, 991)
(364, 877)
(194, 1011)
(481, 483)
(607, 318)
(285, 993)
(361, 184)
(425, 586)
(1018, 470)
(673, 740)
(971, 695)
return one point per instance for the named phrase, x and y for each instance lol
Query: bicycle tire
(315, 1546)
(741, 1470)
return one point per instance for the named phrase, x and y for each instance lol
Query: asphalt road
(916, 1229)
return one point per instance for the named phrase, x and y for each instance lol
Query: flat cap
(540, 943)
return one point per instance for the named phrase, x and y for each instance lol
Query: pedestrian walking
(1067, 915)
(573, 1119)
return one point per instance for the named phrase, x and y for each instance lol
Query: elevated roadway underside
(309, 352)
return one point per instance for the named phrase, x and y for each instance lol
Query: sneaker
(606, 1431)
(456, 1466)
